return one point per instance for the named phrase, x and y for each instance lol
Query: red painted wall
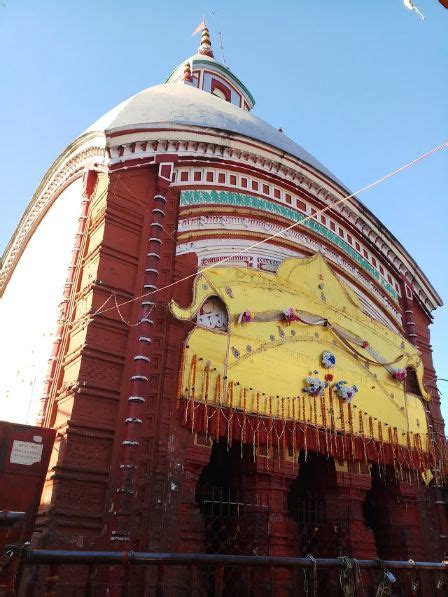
(95, 502)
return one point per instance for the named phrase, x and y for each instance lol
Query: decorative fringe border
(220, 421)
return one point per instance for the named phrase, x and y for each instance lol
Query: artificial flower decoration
(315, 387)
(290, 315)
(328, 359)
(344, 391)
(328, 377)
(246, 316)
(365, 344)
(399, 374)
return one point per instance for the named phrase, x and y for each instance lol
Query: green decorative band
(240, 200)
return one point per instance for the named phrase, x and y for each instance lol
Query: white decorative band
(144, 339)
(139, 377)
(156, 255)
(130, 442)
(136, 399)
(153, 239)
(156, 210)
(133, 420)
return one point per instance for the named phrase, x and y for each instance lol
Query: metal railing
(9, 517)
(51, 572)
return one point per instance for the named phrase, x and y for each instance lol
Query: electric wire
(367, 187)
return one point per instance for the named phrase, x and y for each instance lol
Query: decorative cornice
(87, 150)
(188, 234)
(209, 144)
(190, 198)
(127, 148)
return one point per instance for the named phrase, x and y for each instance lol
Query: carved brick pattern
(300, 177)
(162, 514)
(160, 400)
(82, 496)
(89, 424)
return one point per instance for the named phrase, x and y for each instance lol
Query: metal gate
(317, 535)
(234, 524)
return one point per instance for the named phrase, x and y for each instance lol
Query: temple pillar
(345, 511)
(273, 482)
(191, 525)
(404, 531)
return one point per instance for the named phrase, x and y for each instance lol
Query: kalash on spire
(204, 72)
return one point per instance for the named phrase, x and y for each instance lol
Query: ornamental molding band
(244, 371)
(191, 228)
(189, 198)
(143, 144)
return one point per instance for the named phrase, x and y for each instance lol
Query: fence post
(219, 580)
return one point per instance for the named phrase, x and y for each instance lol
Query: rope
(346, 577)
(314, 574)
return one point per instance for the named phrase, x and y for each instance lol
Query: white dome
(173, 103)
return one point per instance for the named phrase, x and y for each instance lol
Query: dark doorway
(322, 529)
(378, 512)
(236, 521)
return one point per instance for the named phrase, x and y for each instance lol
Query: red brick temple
(232, 369)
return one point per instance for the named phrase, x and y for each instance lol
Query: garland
(342, 418)
(218, 402)
(234, 421)
(347, 338)
(180, 378)
(305, 436)
(350, 426)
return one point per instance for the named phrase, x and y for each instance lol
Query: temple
(234, 359)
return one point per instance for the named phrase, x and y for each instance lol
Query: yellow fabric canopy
(269, 358)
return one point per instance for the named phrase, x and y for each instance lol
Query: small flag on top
(200, 27)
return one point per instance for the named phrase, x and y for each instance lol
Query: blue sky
(361, 85)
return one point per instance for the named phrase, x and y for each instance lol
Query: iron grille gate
(234, 524)
(316, 534)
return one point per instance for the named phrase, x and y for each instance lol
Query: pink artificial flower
(400, 374)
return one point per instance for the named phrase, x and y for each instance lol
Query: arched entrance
(235, 518)
(391, 511)
(236, 521)
(322, 528)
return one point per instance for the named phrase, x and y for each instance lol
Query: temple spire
(206, 46)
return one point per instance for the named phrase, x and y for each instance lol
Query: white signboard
(25, 452)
